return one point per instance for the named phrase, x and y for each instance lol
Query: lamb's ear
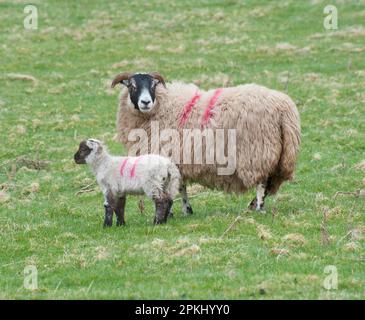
(158, 78)
(123, 78)
(93, 144)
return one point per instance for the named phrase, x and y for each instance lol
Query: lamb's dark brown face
(82, 153)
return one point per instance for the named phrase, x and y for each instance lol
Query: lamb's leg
(109, 211)
(258, 202)
(186, 207)
(163, 205)
(119, 210)
(108, 220)
(169, 204)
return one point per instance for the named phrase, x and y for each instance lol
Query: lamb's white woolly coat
(267, 131)
(152, 175)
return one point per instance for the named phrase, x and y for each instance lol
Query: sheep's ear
(157, 78)
(123, 78)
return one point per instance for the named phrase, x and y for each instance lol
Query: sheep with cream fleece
(266, 123)
(153, 175)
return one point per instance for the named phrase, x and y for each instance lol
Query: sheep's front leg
(186, 207)
(258, 202)
(163, 206)
(119, 210)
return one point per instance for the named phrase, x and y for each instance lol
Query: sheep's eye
(133, 86)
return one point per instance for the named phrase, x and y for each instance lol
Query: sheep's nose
(146, 102)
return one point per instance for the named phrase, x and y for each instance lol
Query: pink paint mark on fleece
(188, 108)
(133, 170)
(122, 167)
(208, 113)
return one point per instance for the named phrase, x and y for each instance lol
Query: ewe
(266, 123)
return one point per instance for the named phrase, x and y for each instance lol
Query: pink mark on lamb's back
(134, 167)
(208, 113)
(189, 108)
(122, 167)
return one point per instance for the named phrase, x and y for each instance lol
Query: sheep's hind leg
(257, 204)
(119, 210)
(186, 207)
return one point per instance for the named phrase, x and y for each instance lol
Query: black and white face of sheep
(87, 151)
(141, 88)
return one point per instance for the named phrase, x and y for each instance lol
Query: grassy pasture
(54, 91)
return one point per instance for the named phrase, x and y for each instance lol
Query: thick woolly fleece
(153, 175)
(267, 130)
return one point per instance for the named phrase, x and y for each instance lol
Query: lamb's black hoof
(120, 223)
(159, 221)
(107, 225)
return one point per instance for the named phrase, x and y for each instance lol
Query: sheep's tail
(290, 131)
(173, 185)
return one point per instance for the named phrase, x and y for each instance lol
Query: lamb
(153, 175)
(266, 124)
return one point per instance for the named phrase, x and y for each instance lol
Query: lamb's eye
(134, 87)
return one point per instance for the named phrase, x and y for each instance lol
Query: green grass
(73, 57)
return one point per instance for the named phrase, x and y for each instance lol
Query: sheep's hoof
(253, 205)
(120, 223)
(107, 225)
(261, 210)
(170, 215)
(187, 210)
